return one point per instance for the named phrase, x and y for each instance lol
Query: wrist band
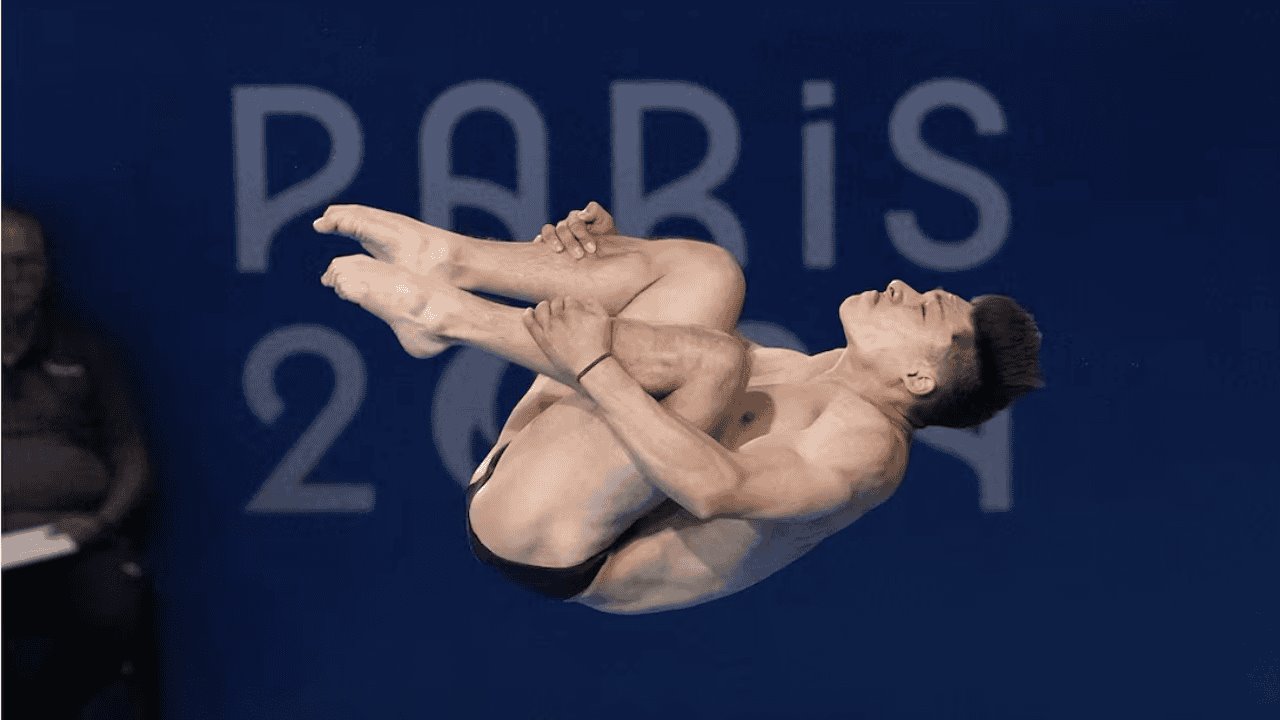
(592, 364)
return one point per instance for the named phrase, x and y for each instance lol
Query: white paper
(33, 545)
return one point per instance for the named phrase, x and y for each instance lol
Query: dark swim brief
(558, 583)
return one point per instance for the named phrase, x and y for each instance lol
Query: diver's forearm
(683, 462)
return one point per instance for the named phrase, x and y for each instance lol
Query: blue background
(1135, 575)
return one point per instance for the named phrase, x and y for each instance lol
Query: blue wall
(1133, 574)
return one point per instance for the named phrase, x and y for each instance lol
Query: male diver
(659, 460)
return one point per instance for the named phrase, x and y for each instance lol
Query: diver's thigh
(563, 489)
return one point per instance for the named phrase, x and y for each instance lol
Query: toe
(371, 228)
(350, 276)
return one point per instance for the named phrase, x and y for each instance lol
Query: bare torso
(676, 560)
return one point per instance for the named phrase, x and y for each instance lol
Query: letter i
(818, 141)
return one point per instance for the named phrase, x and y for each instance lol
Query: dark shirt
(67, 420)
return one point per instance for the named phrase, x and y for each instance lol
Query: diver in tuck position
(660, 460)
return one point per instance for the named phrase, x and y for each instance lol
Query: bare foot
(416, 307)
(397, 239)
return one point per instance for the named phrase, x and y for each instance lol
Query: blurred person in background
(73, 457)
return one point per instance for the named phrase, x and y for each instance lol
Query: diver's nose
(898, 290)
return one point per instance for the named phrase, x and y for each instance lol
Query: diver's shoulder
(868, 439)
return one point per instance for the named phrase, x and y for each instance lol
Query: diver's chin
(849, 317)
(855, 305)
(848, 311)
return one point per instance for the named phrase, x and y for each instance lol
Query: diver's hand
(580, 232)
(572, 333)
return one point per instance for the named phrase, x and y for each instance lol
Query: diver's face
(23, 272)
(899, 327)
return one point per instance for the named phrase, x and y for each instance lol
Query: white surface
(33, 545)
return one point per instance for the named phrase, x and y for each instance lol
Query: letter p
(259, 217)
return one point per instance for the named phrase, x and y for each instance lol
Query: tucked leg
(565, 487)
(427, 315)
(669, 281)
(662, 281)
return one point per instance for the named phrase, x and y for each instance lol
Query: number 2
(285, 490)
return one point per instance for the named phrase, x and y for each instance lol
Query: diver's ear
(920, 381)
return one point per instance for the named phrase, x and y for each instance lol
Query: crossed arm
(788, 478)
(774, 482)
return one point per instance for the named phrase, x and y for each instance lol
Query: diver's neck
(885, 396)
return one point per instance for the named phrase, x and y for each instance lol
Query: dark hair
(987, 372)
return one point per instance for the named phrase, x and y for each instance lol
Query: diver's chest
(766, 409)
